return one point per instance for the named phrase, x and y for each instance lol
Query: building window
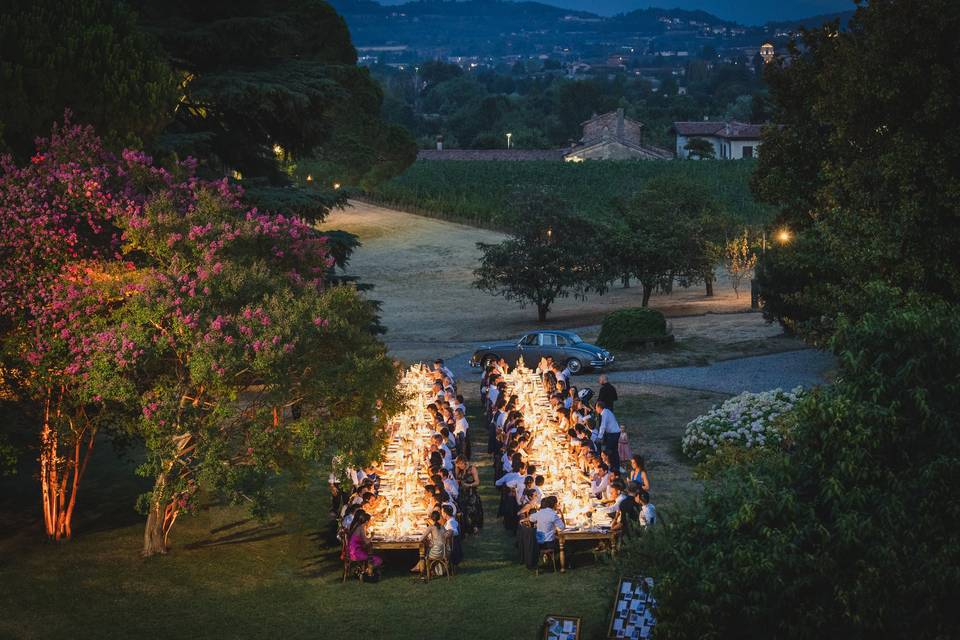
(748, 152)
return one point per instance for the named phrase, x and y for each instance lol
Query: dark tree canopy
(85, 55)
(853, 531)
(550, 254)
(867, 162)
(271, 88)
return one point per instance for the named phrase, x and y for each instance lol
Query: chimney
(620, 123)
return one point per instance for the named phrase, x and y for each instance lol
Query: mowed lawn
(233, 576)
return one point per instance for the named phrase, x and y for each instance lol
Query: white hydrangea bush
(748, 420)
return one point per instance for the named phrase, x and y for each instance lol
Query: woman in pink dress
(358, 545)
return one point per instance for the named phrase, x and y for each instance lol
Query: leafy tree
(699, 148)
(852, 531)
(668, 230)
(874, 182)
(234, 324)
(740, 260)
(548, 256)
(88, 55)
(58, 284)
(267, 84)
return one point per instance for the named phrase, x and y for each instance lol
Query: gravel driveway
(807, 367)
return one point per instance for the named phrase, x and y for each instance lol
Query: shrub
(627, 327)
(747, 420)
(854, 532)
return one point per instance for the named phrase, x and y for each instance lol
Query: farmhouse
(730, 140)
(612, 136)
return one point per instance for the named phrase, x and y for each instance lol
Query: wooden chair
(349, 566)
(443, 563)
(549, 553)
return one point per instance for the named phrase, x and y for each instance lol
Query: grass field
(479, 192)
(231, 576)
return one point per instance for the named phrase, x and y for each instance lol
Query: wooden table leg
(563, 558)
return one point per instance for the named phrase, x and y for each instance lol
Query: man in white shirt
(450, 521)
(609, 433)
(450, 484)
(443, 370)
(618, 495)
(547, 521)
(509, 479)
(599, 482)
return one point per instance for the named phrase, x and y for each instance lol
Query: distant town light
(278, 151)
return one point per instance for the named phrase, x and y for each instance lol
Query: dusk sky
(743, 11)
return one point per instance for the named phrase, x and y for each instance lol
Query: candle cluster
(403, 515)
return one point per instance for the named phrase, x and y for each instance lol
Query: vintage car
(565, 347)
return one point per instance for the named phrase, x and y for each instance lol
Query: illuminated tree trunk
(708, 279)
(165, 507)
(163, 513)
(61, 470)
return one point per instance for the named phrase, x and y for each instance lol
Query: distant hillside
(503, 27)
(653, 15)
(812, 21)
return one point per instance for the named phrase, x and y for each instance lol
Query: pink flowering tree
(59, 282)
(144, 297)
(246, 363)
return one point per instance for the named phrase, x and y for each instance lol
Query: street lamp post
(509, 135)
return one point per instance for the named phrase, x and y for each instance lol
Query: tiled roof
(492, 154)
(697, 128)
(727, 130)
(645, 151)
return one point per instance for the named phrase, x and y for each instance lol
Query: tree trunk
(647, 290)
(165, 508)
(61, 471)
(625, 281)
(708, 279)
(159, 522)
(542, 309)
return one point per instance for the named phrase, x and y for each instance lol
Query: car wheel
(489, 360)
(574, 365)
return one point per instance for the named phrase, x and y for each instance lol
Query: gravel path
(807, 367)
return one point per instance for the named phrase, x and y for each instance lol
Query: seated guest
(450, 484)
(618, 495)
(443, 370)
(348, 517)
(638, 473)
(648, 514)
(531, 502)
(628, 518)
(434, 542)
(547, 521)
(358, 544)
(599, 480)
(453, 529)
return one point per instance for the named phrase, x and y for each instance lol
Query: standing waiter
(607, 394)
(609, 434)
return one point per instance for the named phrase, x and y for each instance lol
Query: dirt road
(422, 271)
